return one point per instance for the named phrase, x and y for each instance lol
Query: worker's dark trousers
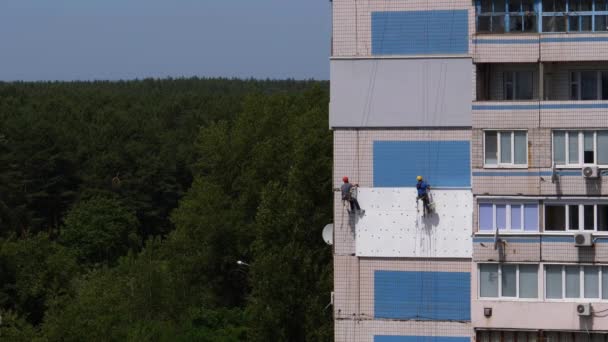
(354, 204)
(425, 202)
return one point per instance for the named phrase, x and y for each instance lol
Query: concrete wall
(400, 93)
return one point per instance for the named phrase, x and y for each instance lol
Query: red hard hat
(345, 179)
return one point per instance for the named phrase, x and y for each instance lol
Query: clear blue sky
(126, 39)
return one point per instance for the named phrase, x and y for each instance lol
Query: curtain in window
(573, 147)
(602, 147)
(486, 217)
(528, 281)
(554, 282)
(531, 217)
(501, 216)
(520, 147)
(491, 148)
(592, 289)
(515, 216)
(488, 280)
(559, 151)
(573, 282)
(604, 282)
(505, 147)
(509, 280)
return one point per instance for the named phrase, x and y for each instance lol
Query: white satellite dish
(328, 234)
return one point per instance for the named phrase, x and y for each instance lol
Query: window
(518, 85)
(576, 282)
(589, 85)
(508, 281)
(573, 15)
(499, 16)
(577, 148)
(506, 148)
(516, 217)
(564, 217)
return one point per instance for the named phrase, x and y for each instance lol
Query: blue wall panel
(386, 338)
(442, 163)
(422, 295)
(420, 32)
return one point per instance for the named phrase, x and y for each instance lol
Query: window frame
(581, 216)
(506, 15)
(500, 297)
(540, 15)
(581, 297)
(515, 84)
(499, 164)
(508, 211)
(581, 149)
(567, 14)
(575, 77)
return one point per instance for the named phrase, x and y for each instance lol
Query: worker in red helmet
(346, 189)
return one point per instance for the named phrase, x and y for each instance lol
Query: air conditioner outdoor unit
(583, 239)
(583, 309)
(590, 172)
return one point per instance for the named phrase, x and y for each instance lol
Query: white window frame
(575, 78)
(581, 217)
(581, 149)
(499, 164)
(581, 297)
(500, 296)
(508, 208)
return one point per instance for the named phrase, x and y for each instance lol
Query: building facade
(502, 106)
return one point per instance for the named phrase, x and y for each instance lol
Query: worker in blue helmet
(423, 193)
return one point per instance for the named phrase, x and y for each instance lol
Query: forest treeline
(124, 207)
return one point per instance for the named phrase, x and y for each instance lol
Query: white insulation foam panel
(393, 225)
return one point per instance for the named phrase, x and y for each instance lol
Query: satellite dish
(328, 234)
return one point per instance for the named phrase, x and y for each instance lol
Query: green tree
(100, 230)
(33, 273)
(15, 328)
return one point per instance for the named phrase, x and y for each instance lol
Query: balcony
(526, 48)
(556, 95)
(521, 314)
(540, 30)
(528, 296)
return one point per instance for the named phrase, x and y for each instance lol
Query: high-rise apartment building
(502, 106)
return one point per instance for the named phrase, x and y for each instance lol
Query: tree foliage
(100, 229)
(124, 207)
